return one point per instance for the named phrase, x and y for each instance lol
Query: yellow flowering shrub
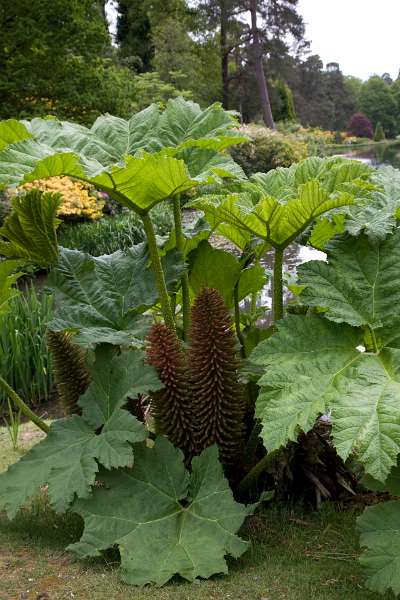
(78, 200)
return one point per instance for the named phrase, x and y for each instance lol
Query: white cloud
(361, 35)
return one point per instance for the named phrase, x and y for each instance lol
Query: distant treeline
(57, 57)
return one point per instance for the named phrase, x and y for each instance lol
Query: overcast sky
(361, 35)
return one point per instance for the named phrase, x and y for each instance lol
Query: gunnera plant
(171, 406)
(218, 400)
(70, 371)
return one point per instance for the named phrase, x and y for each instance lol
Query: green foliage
(8, 277)
(379, 528)
(185, 144)
(376, 217)
(218, 269)
(193, 234)
(102, 299)
(214, 268)
(105, 236)
(379, 134)
(70, 371)
(149, 87)
(184, 63)
(29, 232)
(100, 304)
(13, 423)
(391, 484)
(218, 403)
(325, 229)
(194, 515)
(375, 210)
(268, 150)
(323, 97)
(12, 131)
(353, 85)
(283, 102)
(194, 138)
(113, 233)
(313, 363)
(357, 287)
(25, 361)
(278, 206)
(378, 103)
(57, 59)
(69, 457)
(134, 34)
(156, 40)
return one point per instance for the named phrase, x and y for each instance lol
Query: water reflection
(377, 154)
(294, 256)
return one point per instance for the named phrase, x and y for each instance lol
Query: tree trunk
(224, 53)
(259, 69)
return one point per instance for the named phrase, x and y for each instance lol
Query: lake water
(377, 154)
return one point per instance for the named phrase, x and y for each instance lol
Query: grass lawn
(293, 556)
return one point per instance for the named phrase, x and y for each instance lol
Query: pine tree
(379, 134)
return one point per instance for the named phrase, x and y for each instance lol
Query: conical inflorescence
(171, 406)
(218, 402)
(70, 371)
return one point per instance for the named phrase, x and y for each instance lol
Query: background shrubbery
(360, 126)
(289, 144)
(268, 150)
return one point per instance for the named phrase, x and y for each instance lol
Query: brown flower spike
(172, 405)
(69, 365)
(218, 403)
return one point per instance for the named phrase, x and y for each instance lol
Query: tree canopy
(57, 57)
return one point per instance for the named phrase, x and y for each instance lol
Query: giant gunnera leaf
(139, 162)
(29, 231)
(376, 214)
(380, 536)
(101, 299)
(277, 220)
(164, 520)
(12, 131)
(360, 283)
(379, 527)
(280, 205)
(9, 275)
(316, 364)
(68, 459)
